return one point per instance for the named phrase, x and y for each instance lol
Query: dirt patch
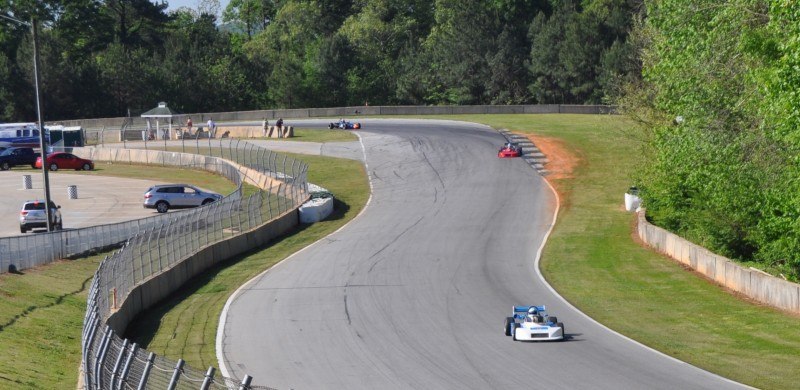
(560, 165)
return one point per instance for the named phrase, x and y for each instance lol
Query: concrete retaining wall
(754, 284)
(160, 286)
(259, 115)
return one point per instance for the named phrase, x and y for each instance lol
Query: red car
(510, 150)
(62, 160)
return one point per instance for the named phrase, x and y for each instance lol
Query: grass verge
(594, 262)
(318, 135)
(185, 325)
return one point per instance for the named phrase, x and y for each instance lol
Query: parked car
(12, 157)
(33, 215)
(174, 196)
(63, 160)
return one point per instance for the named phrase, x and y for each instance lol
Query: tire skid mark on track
(392, 242)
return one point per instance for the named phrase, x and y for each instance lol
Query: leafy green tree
(377, 35)
(254, 15)
(289, 45)
(136, 22)
(725, 174)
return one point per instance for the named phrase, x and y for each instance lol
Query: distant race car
(343, 124)
(531, 323)
(510, 150)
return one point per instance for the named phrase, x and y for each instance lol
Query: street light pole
(42, 140)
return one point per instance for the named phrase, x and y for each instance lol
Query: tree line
(106, 58)
(719, 106)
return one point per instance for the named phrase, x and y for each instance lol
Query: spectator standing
(212, 128)
(264, 127)
(189, 125)
(279, 125)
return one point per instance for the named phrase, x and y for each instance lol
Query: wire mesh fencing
(22, 252)
(110, 362)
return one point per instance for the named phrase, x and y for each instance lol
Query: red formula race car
(510, 150)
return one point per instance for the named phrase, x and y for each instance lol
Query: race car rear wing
(524, 309)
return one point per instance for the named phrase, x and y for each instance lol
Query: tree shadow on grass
(57, 301)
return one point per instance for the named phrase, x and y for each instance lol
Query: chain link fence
(110, 362)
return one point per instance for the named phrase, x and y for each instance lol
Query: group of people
(212, 127)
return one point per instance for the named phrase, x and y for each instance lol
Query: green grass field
(206, 180)
(318, 135)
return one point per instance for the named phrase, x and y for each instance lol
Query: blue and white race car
(345, 125)
(531, 323)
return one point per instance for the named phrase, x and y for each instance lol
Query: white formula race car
(531, 323)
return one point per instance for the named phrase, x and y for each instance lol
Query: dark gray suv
(175, 196)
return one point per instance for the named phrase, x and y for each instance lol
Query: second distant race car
(531, 323)
(343, 124)
(510, 150)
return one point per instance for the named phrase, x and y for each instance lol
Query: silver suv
(33, 215)
(175, 196)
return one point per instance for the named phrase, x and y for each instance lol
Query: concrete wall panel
(756, 285)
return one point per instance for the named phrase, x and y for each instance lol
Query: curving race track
(412, 294)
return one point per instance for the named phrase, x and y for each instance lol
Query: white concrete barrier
(316, 210)
(757, 285)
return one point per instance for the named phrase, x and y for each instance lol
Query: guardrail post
(118, 362)
(146, 372)
(209, 378)
(89, 341)
(173, 382)
(101, 355)
(125, 370)
(246, 382)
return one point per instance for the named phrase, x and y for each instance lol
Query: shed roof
(162, 111)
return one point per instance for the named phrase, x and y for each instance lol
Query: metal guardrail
(108, 361)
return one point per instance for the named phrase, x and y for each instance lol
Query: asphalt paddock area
(101, 199)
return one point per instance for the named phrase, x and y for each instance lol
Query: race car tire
(563, 330)
(330, 126)
(509, 325)
(514, 332)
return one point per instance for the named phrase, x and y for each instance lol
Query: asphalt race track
(412, 294)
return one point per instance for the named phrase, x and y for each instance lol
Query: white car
(33, 215)
(531, 323)
(163, 197)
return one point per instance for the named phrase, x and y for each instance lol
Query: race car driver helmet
(532, 314)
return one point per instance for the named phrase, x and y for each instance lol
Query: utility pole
(42, 139)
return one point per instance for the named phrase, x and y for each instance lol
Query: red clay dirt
(561, 163)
